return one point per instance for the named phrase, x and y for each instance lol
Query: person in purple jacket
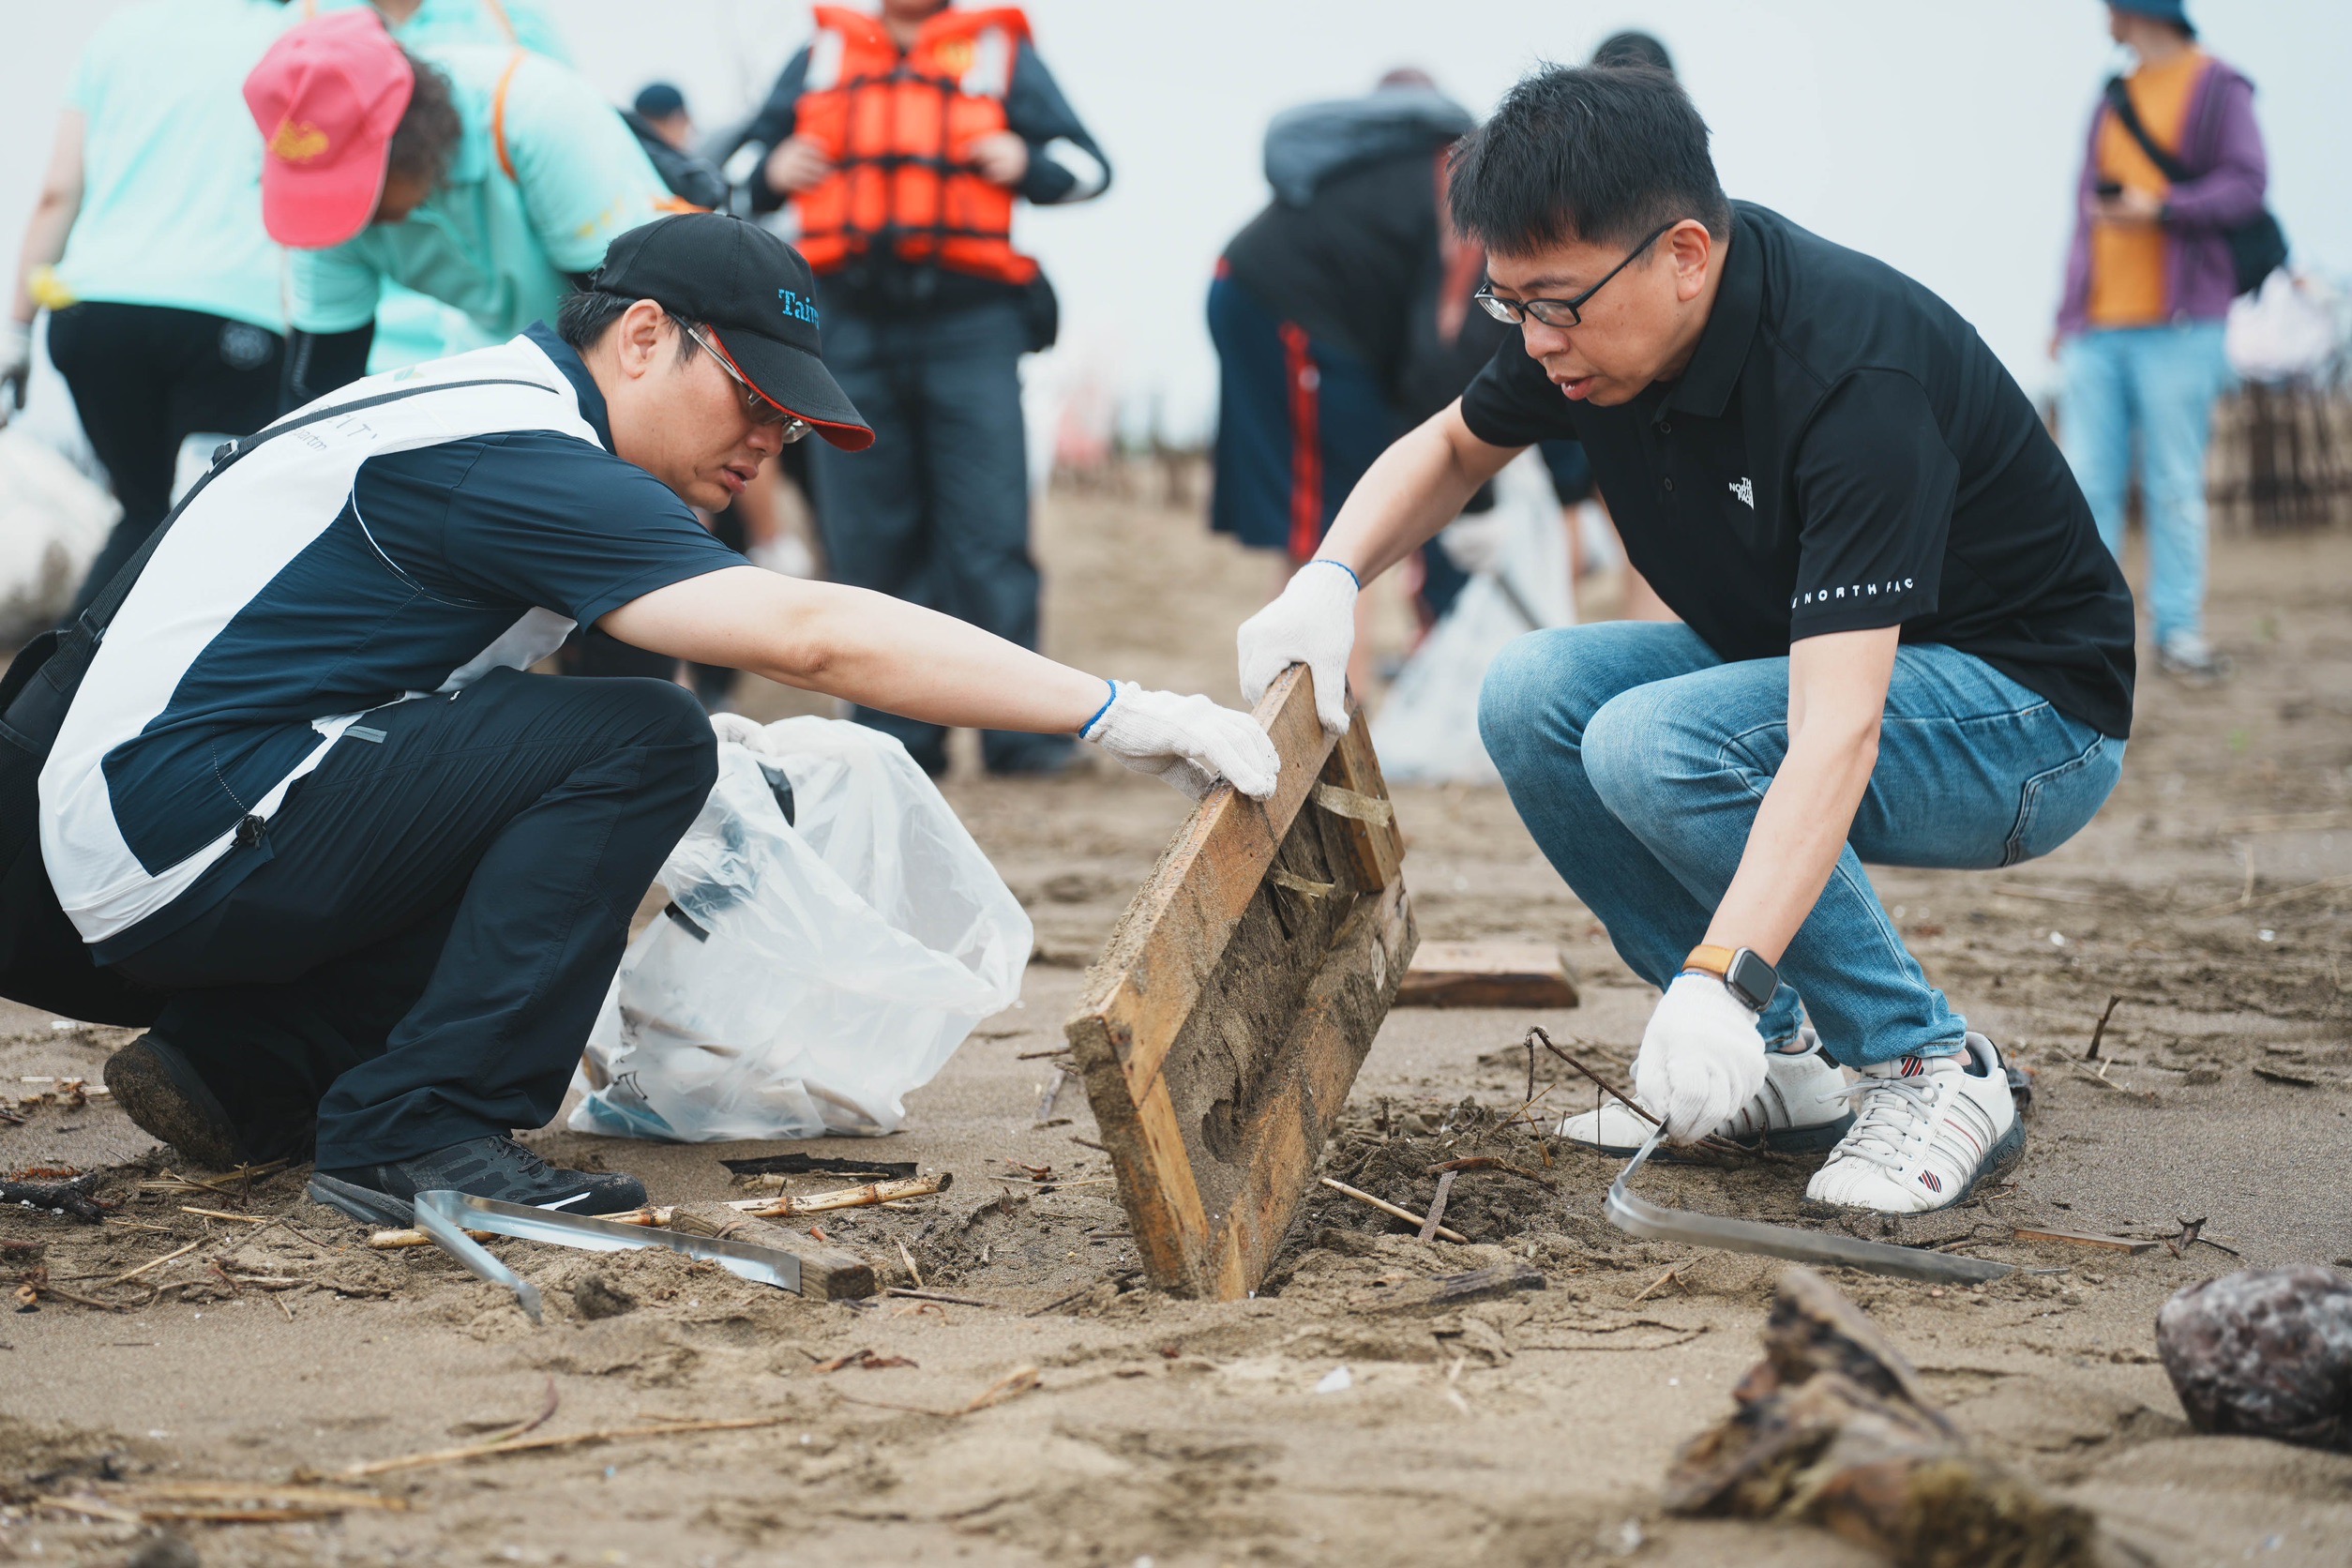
(2148, 282)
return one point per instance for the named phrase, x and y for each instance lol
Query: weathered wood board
(1222, 1028)
(1488, 974)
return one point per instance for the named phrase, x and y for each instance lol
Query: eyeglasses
(1558, 312)
(756, 405)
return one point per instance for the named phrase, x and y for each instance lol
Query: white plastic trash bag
(805, 975)
(54, 520)
(1427, 732)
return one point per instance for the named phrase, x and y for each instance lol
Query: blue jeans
(2160, 383)
(1637, 757)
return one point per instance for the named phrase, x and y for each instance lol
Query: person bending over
(1902, 639)
(379, 875)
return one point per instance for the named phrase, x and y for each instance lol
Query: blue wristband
(1099, 712)
(1327, 561)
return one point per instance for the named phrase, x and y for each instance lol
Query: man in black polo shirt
(1901, 640)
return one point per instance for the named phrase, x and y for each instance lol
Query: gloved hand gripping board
(1222, 1028)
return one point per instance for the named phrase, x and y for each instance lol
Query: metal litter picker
(1641, 1217)
(447, 1216)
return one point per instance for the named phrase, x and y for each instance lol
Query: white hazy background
(1942, 137)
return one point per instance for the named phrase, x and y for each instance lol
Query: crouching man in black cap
(381, 875)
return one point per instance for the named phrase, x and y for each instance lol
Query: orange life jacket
(900, 128)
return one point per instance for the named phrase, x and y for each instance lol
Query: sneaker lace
(532, 1165)
(1887, 1112)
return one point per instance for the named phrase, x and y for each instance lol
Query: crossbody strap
(2127, 113)
(90, 628)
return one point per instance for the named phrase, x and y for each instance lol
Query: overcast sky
(1942, 137)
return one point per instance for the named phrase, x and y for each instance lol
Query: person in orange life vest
(900, 141)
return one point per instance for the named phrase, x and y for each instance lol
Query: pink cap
(327, 97)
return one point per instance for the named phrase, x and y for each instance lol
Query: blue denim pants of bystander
(1637, 758)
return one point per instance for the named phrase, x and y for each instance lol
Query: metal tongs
(447, 1216)
(1641, 1217)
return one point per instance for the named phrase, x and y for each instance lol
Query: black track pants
(423, 954)
(145, 378)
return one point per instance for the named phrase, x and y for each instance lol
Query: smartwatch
(1746, 977)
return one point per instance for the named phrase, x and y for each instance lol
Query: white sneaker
(1929, 1129)
(1800, 1109)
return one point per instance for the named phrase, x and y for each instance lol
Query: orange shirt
(2127, 259)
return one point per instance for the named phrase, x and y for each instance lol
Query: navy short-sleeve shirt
(1845, 453)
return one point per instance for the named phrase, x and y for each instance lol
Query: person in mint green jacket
(147, 248)
(505, 179)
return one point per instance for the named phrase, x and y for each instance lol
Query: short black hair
(586, 316)
(425, 141)
(1633, 47)
(1599, 154)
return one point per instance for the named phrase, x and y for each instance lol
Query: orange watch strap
(1711, 960)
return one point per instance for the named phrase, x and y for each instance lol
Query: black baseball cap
(760, 300)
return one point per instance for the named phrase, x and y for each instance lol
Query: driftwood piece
(1488, 974)
(1222, 1028)
(844, 1198)
(2264, 1353)
(73, 1198)
(1834, 1428)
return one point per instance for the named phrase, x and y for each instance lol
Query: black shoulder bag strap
(2257, 247)
(30, 716)
(2128, 115)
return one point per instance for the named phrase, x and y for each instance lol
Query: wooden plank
(1488, 974)
(1220, 1032)
(1167, 944)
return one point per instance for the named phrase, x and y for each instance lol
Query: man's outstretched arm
(883, 653)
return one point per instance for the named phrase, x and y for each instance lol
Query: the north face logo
(1745, 491)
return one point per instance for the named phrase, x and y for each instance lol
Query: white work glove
(16, 365)
(1701, 1058)
(1474, 541)
(1188, 742)
(1312, 622)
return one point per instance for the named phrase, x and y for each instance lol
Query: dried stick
(151, 1263)
(1487, 1162)
(223, 1214)
(844, 1198)
(1672, 1276)
(1387, 1208)
(937, 1296)
(1535, 1031)
(912, 1273)
(529, 1446)
(392, 1241)
(1014, 1384)
(1437, 1204)
(1053, 1092)
(2099, 1029)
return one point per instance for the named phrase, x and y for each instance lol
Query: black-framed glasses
(756, 405)
(1558, 312)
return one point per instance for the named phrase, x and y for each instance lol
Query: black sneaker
(166, 1099)
(494, 1167)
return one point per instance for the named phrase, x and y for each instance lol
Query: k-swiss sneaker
(1801, 1109)
(494, 1167)
(1926, 1131)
